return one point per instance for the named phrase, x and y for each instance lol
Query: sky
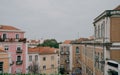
(54, 19)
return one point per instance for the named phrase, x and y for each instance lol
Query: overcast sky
(59, 19)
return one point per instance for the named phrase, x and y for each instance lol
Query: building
(65, 51)
(46, 58)
(107, 34)
(82, 55)
(4, 62)
(33, 43)
(70, 55)
(14, 43)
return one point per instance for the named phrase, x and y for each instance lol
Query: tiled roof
(42, 50)
(6, 27)
(67, 42)
(80, 40)
(117, 8)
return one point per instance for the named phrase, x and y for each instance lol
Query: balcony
(67, 60)
(19, 62)
(13, 40)
(67, 52)
(61, 52)
(18, 51)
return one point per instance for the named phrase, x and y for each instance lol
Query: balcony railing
(67, 52)
(64, 53)
(19, 62)
(61, 52)
(13, 40)
(67, 60)
(18, 51)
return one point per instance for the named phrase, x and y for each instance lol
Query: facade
(101, 55)
(70, 55)
(14, 43)
(76, 62)
(107, 33)
(65, 51)
(46, 57)
(33, 43)
(4, 62)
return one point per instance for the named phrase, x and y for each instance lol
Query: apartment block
(46, 59)
(13, 41)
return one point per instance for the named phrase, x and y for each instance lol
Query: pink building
(13, 41)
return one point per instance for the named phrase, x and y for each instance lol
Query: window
(52, 66)
(103, 29)
(44, 58)
(36, 57)
(112, 64)
(6, 48)
(17, 36)
(19, 48)
(1, 67)
(4, 36)
(61, 48)
(18, 58)
(98, 31)
(52, 57)
(30, 58)
(77, 50)
(44, 67)
(67, 48)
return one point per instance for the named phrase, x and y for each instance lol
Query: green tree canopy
(50, 43)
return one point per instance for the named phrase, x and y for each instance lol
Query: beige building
(107, 34)
(4, 62)
(65, 50)
(46, 58)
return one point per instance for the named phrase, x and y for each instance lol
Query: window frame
(77, 50)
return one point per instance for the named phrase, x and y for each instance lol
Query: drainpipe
(94, 58)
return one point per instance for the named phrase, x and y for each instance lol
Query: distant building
(46, 57)
(33, 43)
(14, 43)
(70, 55)
(65, 51)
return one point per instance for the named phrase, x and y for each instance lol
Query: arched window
(77, 50)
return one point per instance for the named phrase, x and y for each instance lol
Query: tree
(50, 43)
(34, 68)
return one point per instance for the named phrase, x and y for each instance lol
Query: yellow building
(4, 62)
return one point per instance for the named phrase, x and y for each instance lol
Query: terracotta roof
(80, 40)
(67, 42)
(117, 8)
(6, 27)
(42, 50)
